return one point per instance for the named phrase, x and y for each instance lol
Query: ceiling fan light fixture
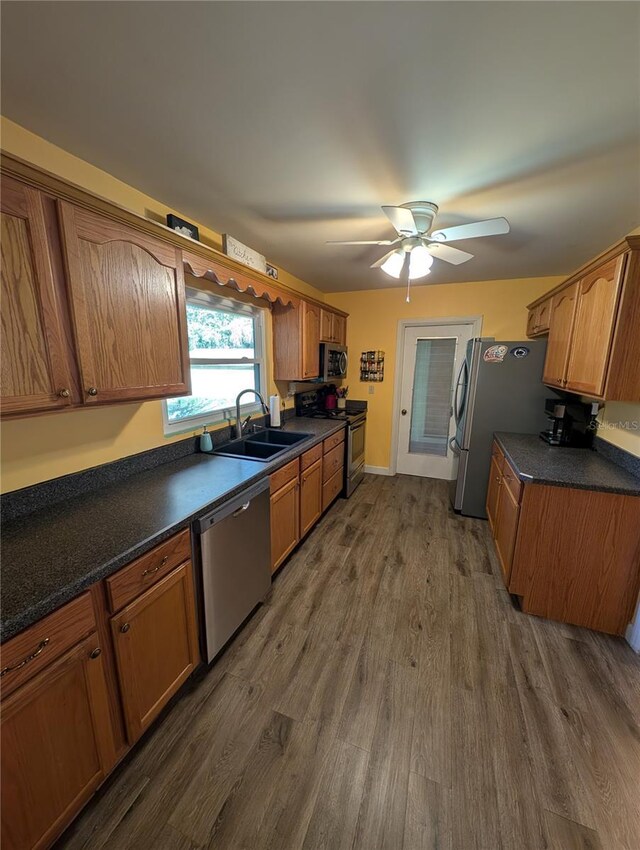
(420, 261)
(394, 265)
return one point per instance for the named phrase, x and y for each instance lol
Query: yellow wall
(43, 447)
(373, 324)
(620, 425)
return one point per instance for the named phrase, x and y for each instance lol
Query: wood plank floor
(388, 695)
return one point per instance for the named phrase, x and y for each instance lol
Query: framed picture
(182, 226)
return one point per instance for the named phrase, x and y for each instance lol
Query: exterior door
(432, 358)
(128, 303)
(35, 368)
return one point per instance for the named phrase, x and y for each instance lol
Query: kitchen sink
(261, 446)
(278, 438)
(253, 451)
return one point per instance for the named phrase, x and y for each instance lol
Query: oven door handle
(354, 428)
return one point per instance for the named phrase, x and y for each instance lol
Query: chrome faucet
(239, 423)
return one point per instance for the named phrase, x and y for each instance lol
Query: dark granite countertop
(537, 462)
(52, 555)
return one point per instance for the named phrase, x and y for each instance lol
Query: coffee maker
(571, 423)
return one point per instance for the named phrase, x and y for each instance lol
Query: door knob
(403, 412)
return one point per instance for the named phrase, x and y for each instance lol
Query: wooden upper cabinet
(310, 340)
(326, 326)
(57, 746)
(128, 306)
(333, 327)
(34, 357)
(156, 647)
(539, 318)
(560, 331)
(597, 301)
(296, 341)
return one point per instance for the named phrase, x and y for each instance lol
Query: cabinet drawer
(511, 480)
(141, 574)
(333, 441)
(333, 462)
(29, 652)
(330, 489)
(310, 457)
(282, 476)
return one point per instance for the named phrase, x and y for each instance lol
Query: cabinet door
(532, 322)
(339, 329)
(493, 494)
(505, 530)
(543, 317)
(127, 297)
(57, 747)
(310, 340)
(593, 328)
(326, 326)
(35, 365)
(560, 330)
(285, 522)
(310, 497)
(156, 647)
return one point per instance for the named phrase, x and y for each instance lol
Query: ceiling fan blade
(380, 242)
(490, 227)
(382, 260)
(450, 255)
(401, 218)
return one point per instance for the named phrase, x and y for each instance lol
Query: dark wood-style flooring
(388, 695)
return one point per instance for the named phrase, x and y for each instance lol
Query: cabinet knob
(64, 393)
(92, 391)
(96, 653)
(124, 628)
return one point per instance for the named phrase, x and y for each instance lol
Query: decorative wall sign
(243, 254)
(272, 271)
(182, 226)
(372, 366)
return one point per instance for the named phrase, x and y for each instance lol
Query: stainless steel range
(311, 405)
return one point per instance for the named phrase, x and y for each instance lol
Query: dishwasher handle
(234, 507)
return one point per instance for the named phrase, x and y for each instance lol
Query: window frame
(223, 304)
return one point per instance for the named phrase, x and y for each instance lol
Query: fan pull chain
(408, 298)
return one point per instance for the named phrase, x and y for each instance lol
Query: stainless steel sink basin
(278, 438)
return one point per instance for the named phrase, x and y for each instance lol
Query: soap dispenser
(206, 444)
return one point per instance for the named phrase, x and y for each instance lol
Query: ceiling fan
(412, 222)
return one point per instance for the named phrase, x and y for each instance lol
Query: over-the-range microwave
(333, 361)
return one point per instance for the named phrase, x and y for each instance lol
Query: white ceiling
(288, 124)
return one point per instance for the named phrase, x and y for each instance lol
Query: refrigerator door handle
(458, 402)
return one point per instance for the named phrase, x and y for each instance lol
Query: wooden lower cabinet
(57, 746)
(285, 521)
(310, 497)
(156, 646)
(570, 555)
(64, 694)
(506, 528)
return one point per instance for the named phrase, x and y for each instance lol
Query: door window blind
(431, 402)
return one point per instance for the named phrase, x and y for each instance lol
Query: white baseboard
(378, 470)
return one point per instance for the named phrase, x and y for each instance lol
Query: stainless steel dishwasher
(235, 542)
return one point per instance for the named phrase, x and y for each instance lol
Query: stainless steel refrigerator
(499, 388)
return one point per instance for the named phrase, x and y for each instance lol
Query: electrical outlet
(372, 389)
